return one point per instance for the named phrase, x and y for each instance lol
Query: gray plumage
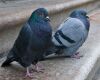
(72, 33)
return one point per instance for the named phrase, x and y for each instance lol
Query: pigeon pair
(35, 40)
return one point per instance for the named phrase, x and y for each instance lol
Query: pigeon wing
(74, 30)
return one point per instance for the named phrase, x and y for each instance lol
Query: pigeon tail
(7, 62)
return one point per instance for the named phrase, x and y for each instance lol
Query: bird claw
(29, 75)
(39, 68)
(77, 56)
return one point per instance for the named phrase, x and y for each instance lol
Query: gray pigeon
(71, 34)
(33, 40)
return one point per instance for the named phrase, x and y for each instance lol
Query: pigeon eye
(84, 14)
(42, 15)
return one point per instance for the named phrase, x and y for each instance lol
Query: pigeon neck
(84, 20)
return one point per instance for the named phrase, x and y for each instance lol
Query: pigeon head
(82, 15)
(40, 13)
(78, 14)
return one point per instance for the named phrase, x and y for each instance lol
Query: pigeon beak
(47, 18)
(87, 17)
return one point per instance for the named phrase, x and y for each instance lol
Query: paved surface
(61, 69)
(11, 6)
(97, 20)
(97, 75)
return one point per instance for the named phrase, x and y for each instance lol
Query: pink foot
(39, 68)
(28, 74)
(77, 56)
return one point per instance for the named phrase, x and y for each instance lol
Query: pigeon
(71, 34)
(34, 39)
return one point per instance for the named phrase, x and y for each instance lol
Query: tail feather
(6, 62)
(10, 58)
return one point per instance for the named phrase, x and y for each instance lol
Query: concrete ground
(97, 20)
(62, 68)
(55, 69)
(97, 75)
(10, 6)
